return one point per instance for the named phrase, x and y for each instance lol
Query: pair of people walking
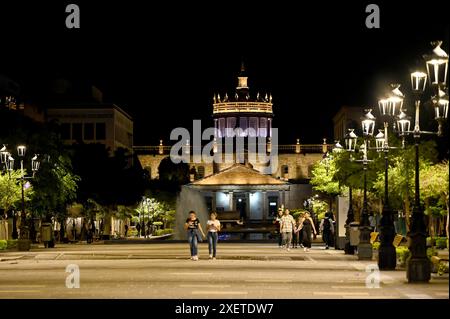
(196, 234)
(288, 227)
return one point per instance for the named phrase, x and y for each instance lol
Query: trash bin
(354, 234)
(46, 233)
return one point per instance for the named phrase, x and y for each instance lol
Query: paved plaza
(165, 271)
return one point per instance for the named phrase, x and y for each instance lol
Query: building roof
(89, 106)
(239, 175)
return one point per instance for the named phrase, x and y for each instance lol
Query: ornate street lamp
(10, 163)
(389, 107)
(350, 140)
(4, 155)
(419, 267)
(338, 147)
(350, 146)
(365, 247)
(143, 217)
(368, 123)
(440, 104)
(404, 124)
(35, 164)
(437, 64)
(379, 140)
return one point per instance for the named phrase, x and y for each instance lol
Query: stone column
(230, 197)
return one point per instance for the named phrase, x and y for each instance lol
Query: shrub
(12, 243)
(403, 254)
(132, 232)
(441, 242)
(3, 244)
(166, 231)
(431, 252)
(442, 269)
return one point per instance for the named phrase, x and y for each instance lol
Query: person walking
(277, 221)
(298, 232)
(194, 232)
(213, 228)
(138, 228)
(327, 229)
(287, 225)
(307, 225)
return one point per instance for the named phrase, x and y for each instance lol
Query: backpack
(326, 225)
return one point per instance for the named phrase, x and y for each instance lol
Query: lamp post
(143, 217)
(419, 267)
(389, 107)
(365, 247)
(350, 146)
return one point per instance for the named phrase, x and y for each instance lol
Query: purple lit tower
(243, 110)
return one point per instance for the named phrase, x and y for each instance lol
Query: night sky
(162, 63)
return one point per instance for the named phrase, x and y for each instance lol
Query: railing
(242, 107)
(286, 148)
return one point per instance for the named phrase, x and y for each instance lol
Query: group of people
(293, 234)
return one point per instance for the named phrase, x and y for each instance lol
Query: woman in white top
(213, 227)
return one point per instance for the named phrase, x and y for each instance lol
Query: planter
(23, 244)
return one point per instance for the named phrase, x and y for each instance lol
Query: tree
(54, 183)
(55, 188)
(434, 184)
(173, 175)
(323, 177)
(401, 173)
(11, 191)
(108, 180)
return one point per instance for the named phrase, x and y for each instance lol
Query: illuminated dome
(253, 115)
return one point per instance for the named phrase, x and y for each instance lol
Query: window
(222, 127)
(231, 123)
(273, 206)
(263, 127)
(253, 126)
(243, 125)
(77, 132)
(65, 131)
(100, 131)
(88, 131)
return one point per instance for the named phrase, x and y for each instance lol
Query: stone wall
(299, 165)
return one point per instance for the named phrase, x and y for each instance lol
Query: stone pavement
(165, 271)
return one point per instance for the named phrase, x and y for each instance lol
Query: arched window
(284, 170)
